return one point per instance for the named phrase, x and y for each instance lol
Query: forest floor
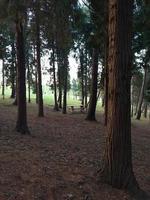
(61, 157)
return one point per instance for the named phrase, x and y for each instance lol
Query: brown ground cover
(61, 157)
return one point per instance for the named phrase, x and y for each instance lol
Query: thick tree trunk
(93, 97)
(39, 73)
(117, 169)
(64, 110)
(21, 125)
(141, 97)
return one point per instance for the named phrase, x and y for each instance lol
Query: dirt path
(59, 160)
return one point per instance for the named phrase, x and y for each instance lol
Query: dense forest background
(109, 42)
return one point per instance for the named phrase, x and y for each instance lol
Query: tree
(38, 50)
(93, 97)
(21, 125)
(118, 170)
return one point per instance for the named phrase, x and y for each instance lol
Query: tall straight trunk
(59, 82)
(141, 97)
(29, 84)
(64, 110)
(86, 87)
(106, 92)
(13, 69)
(106, 80)
(55, 86)
(132, 104)
(21, 125)
(36, 78)
(3, 79)
(15, 103)
(136, 107)
(39, 74)
(82, 78)
(60, 97)
(93, 97)
(85, 90)
(117, 169)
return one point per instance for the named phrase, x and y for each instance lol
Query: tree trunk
(86, 87)
(29, 84)
(39, 74)
(13, 75)
(106, 80)
(145, 109)
(64, 110)
(15, 103)
(82, 78)
(21, 125)
(106, 92)
(59, 82)
(141, 97)
(55, 86)
(117, 169)
(3, 79)
(93, 97)
(132, 104)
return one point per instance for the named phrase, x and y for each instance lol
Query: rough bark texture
(117, 169)
(38, 49)
(21, 125)
(93, 97)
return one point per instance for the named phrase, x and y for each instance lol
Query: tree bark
(117, 169)
(21, 125)
(132, 104)
(93, 97)
(39, 73)
(29, 84)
